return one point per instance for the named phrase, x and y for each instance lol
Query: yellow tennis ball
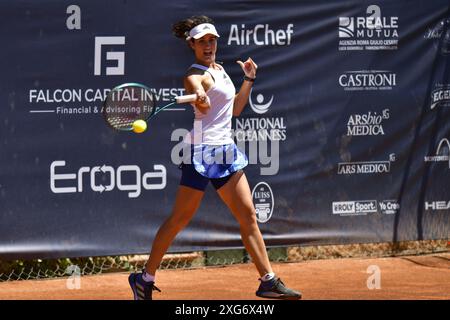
(139, 126)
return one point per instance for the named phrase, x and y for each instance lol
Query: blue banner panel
(346, 129)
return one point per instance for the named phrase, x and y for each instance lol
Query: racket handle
(186, 99)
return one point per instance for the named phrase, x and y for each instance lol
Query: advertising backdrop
(347, 127)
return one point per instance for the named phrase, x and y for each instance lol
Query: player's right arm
(193, 84)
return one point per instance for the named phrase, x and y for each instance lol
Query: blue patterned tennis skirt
(216, 161)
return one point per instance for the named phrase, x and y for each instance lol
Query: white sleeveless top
(214, 127)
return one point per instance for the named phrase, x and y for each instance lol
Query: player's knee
(247, 217)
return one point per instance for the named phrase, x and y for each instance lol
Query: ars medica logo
(367, 124)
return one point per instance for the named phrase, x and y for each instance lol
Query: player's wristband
(249, 79)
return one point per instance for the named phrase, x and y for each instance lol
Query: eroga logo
(118, 56)
(440, 97)
(106, 178)
(371, 32)
(442, 153)
(264, 201)
(368, 80)
(260, 106)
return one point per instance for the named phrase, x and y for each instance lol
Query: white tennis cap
(202, 29)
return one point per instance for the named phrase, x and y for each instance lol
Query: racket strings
(125, 105)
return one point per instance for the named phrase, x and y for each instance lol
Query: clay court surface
(407, 277)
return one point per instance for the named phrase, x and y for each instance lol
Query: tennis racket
(129, 102)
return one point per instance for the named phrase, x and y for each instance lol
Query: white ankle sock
(148, 277)
(268, 276)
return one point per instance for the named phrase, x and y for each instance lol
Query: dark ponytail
(181, 28)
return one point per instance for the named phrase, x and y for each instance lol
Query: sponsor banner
(439, 34)
(437, 205)
(364, 207)
(345, 111)
(260, 35)
(369, 124)
(372, 31)
(440, 96)
(366, 167)
(368, 80)
(355, 208)
(442, 153)
(389, 206)
(263, 200)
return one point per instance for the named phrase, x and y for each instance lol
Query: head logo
(442, 153)
(260, 107)
(437, 205)
(264, 201)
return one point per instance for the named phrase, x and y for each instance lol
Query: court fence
(59, 268)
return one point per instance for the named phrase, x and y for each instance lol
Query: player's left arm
(241, 99)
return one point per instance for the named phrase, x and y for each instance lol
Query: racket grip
(186, 99)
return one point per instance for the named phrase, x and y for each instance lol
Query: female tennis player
(216, 104)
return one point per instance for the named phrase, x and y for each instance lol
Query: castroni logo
(367, 80)
(263, 200)
(370, 32)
